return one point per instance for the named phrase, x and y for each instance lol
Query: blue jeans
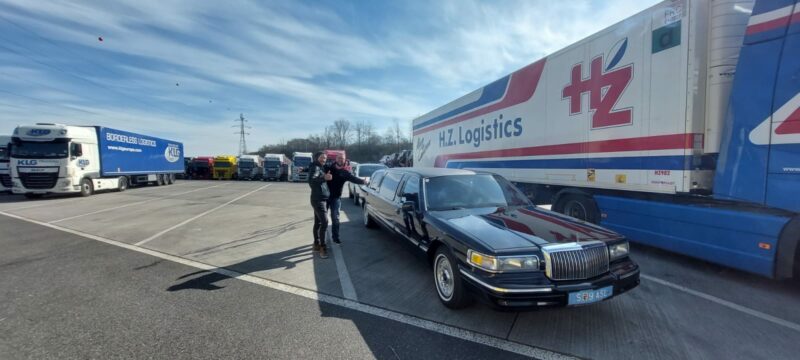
(334, 205)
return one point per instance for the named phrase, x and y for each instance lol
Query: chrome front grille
(38, 180)
(575, 261)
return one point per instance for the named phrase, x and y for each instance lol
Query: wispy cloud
(292, 67)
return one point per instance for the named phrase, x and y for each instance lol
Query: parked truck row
(272, 167)
(678, 127)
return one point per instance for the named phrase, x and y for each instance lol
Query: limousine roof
(434, 172)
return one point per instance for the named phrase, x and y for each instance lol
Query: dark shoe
(338, 241)
(316, 247)
(323, 252)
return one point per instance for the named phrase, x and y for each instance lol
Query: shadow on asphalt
(284, 260)
(384, 340)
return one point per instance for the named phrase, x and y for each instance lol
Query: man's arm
(316, 176)
(349, 177)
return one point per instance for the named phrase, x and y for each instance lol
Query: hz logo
(605, 86)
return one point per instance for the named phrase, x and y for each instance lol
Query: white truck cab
(300, 163)
(55, 158)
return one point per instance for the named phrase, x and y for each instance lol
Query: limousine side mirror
(408, 206)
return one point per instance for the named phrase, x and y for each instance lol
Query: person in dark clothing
(341, 175)
(318, 179)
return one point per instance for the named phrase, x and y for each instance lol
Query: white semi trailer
(58, 159)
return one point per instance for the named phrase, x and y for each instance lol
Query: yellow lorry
(225, 167)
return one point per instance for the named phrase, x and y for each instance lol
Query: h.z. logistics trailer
(678, 127)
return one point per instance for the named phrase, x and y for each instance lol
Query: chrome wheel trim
(443, 274)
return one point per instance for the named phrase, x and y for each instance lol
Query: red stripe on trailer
(768, 25)
(521, 88)
(660, 142)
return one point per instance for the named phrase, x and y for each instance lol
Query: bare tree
(368, 133)
(374, 144)
(389, 136)
(358, 128)
(341, 132)
(398, 134)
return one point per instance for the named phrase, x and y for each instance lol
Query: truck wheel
(449, 285)
(369, 223)
(87, 188)
(122, 184)
(578, 206)
(160, 181)
(170, 179)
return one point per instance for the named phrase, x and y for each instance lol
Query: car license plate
(590, 296)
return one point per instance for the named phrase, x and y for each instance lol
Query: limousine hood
(517, 228)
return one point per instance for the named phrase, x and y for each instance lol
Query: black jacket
(316, 180)
(340, 176)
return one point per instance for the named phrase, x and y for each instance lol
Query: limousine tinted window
(471, 191)
(389, 185)
(411, 188)
(376, 180)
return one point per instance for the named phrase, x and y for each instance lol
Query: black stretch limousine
(484, 237)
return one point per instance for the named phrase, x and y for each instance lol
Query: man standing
(340, 176)
(318, 181)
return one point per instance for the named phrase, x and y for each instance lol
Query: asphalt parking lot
(199, 234)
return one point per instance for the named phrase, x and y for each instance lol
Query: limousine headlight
(618, 250)
(503, 263)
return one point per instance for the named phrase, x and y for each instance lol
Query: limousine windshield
(471, 191)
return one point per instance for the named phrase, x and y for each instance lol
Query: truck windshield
(272, 164)
(200, 164)
(471, 191)
(367, 170)
(222, 164)
(40, 150)
(246, 165)
(302, 161)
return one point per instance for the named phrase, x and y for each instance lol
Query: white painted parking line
(436, 327)
(132, 204)
(725, 303)
(348, 290)
(193, 218)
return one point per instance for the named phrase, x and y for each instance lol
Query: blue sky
(292, 67)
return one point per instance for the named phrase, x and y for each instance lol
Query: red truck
(202, 168)
(332, 154)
